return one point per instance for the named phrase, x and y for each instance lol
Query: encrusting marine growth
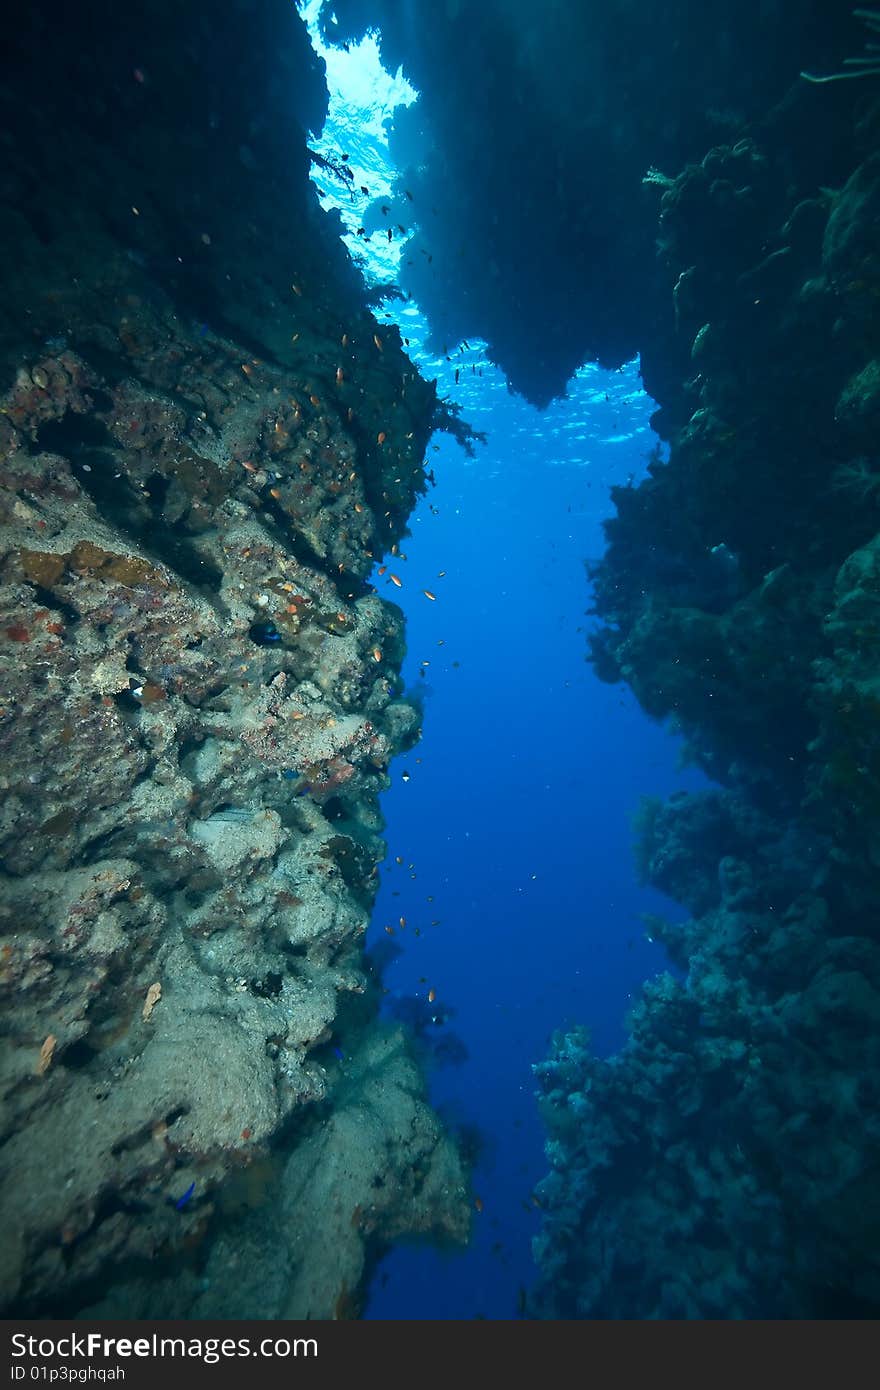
(194, 728)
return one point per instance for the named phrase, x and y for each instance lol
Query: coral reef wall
(727, 1162)
(206, 441)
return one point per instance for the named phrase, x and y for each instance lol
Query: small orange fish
(345, 340)
(47, 1052)
(251, 467)
(390, 931)
(248, 370)
(478, 1203)
(432, 995)
(377, 653)
(395, 580)
(428, 594)
(381, 437)
(340, 376)
(398, 859)
(297, 291)
(315, 400)
(381, 569)
(378, 341)
(403, 921)
(274, 492)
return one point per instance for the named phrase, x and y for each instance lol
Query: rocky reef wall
(726, 1162)
(206, 442)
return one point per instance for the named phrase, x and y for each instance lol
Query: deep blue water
(516, 818)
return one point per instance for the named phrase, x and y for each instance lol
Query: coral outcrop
(725, 1163)
(206, 442)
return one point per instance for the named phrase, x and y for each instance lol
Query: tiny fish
(428, 594)
(396, 580)
(182, 1201)
(432, 995)
(47, 1052)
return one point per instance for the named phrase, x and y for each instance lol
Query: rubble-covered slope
(726, 1162)
(206, 442)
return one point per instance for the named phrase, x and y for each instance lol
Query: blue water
(516, 818)
(515, 813)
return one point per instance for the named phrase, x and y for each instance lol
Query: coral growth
(193, 728)
(725, 1162)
